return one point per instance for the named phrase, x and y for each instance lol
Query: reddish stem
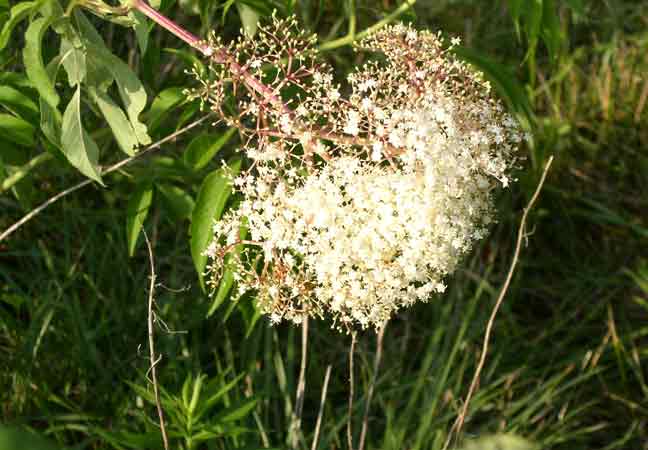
(220, 56)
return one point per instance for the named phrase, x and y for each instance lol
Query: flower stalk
(356, 205)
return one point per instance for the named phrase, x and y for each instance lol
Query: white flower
(361, 207)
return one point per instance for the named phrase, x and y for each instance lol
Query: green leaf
(178, 200)
(33, 61)
(52, 11)
(203, 148)
(18, 103)
(77, 145)
(18, 13)
(141, 27)
(16, 130)
(105, 67)
(15, 438)
(249, 19)
(227, 280)
(515, 10)
(213, 195)
(163, 104)
(50, 118)
(503, 81)
(131, 92)
(188, 57)
(195, 394)
(87, 31)
(237, 412)
(74, 61)
(18, 80)
(138, 207)
(552, 34)
(117, 121)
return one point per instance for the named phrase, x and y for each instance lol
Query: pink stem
(220, 56)
(172, 27)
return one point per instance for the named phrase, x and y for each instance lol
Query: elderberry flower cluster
(354, 206)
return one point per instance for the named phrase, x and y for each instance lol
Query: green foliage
(78, 146)
(13, 438)
(138, 208)
(203, 148)
(210, 204)
(566, 367)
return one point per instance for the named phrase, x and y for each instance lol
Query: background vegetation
(569, 357)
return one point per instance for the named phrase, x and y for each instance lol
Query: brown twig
(458, 424)
(349, 428)
(151, 340)
(320, 414)
(374, 378)
(34, 212)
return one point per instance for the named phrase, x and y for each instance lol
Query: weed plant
(567, 366)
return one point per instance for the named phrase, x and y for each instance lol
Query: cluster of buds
(358, 200)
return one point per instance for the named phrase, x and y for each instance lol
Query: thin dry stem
(350, 418)
(320, 414)
(458, 424)
(34, 212)
(374, 378)
(151, 340)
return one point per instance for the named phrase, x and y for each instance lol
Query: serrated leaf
(138, 207)
(74, 61)
(104, 67)
(249, 19)
(16, 130)
(163, 103)
(77, 145)
(33, 61)
(18, 103)
(213, 194)
(117, 121)
(18, 13)
(179, 201)
(202, 149)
